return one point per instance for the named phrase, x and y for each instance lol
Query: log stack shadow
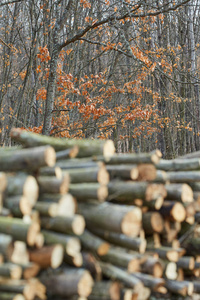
(78, 221)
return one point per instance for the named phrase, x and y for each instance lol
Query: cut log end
(57, 256)
(67, 205)
(187, 193)
(31, 271)
(109, 149)
(39, 240)
(103, 249)
(129, 227)
(133, 265)
(31, 190)
(3, 181)
(158, 203)
(171, 271)
(156, 156)
(157, 270)
(32, 233)
(50, 156)
(25, 206)
(85, 285)
(134, 173)
(102, 193)
(18, 297)
(103, 176)
(147, 172)
(78, 260)
(172, 255)
(142, 247)
(157, 222)
(114, 291)
(53, 210)
(155, 191)
(73, 246)
(58, 172)
(74, 152)
(78, 225)
(64, 187)
(15, 272)
(178, 212)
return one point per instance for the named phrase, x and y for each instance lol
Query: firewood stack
(80, 222)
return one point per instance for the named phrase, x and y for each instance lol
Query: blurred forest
(127, 70)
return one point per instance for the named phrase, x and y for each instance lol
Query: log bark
(128, 191)
(183, 177)
(48, 256)
(91, 263)
(117, 218)
(6, 245)
(50, 171)
(87, 175)
(68, 153)
(182, 288)
(78, 163)
(69, 225)
(93, 243)
(135, 158)
(89, 191)
(76, 260)
(29, 270)
(152, 222)
(132, 243)
(174, 211)
(109, 290)
(49, 184)
(161, 177)
(149, 281)
(123, 259)
(87, 147)
(11, 296)
(196, 286)
(68, 283)
(179, 192)
(10, 270)
(192, 245)
(19, 254)
(67, 204)
(23, 184)
(168, 253)
(116, 273)
(71, 244)
(17, 286)
(18, 205)
(186, 263)
(47, 209)
(27, 159)
(170, 232)
(186, 164)
(152, 266)
(19, 230)
(123, 172)
(154, 204)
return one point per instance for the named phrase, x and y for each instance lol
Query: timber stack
(78, 221)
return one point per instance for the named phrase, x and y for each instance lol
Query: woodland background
(126, 70)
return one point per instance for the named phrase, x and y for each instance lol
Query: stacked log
(80, 222)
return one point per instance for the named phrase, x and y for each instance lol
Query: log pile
(78, 221)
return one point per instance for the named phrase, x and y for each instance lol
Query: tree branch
(113, 17)
(10, 2)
